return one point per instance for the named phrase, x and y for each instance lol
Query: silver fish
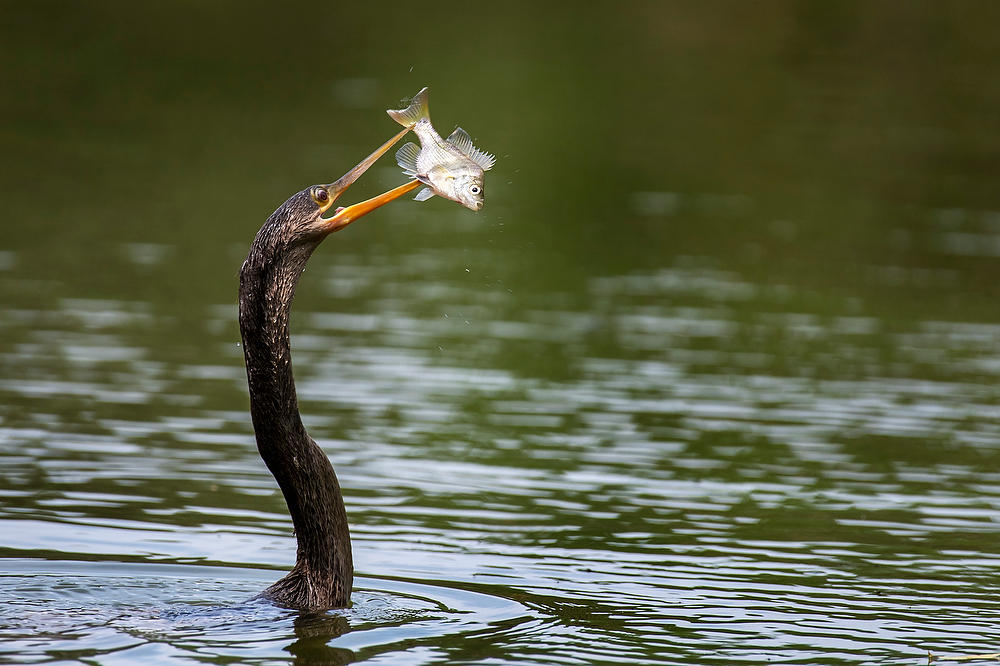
(451, 168)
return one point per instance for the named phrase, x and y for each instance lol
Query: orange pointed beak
(344, 216)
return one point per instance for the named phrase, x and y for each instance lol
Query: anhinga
(324, 570)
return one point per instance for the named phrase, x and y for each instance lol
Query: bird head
(303, 213)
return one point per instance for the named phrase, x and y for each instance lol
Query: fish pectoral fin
(424, 194)
(461, 140)
(406, 157)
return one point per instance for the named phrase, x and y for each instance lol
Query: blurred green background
(791, 141)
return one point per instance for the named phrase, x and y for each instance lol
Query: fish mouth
(342, 216)
(472, 205)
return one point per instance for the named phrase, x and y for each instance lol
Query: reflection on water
(676, 465)
(162, 612)
(713, 376)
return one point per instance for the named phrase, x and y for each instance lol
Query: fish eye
(475, 189)
(320, 195)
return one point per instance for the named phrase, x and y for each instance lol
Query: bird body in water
(323, 573)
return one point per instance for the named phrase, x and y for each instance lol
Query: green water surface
(712, 378)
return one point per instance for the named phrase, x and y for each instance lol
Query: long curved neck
(323, 572)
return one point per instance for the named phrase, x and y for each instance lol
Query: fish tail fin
(417, 109)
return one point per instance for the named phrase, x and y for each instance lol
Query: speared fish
(451, 168)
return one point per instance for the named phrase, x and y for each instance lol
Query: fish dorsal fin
(483, 159)
(424, 194)
(461, 140)
(406, 157)
(417, 109)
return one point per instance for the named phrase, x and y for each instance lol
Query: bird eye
(475, 189)
(320, 195)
